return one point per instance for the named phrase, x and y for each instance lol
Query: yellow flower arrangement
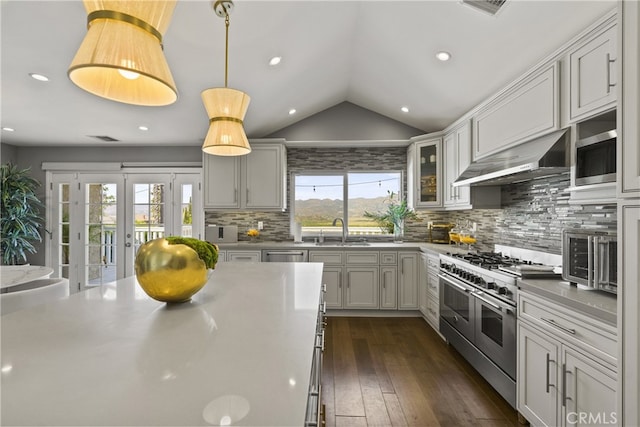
(252, 232)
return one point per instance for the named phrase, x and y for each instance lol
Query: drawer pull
(554, 323)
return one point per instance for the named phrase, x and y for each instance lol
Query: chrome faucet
(344, 229)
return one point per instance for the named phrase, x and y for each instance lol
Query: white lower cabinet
(389, 287)
(372, 280)
(563, 380)
(362, 287)
(332, 275)
(408, 281)
(332, 279)
(244, 256)
(429, 294)
(422, 290)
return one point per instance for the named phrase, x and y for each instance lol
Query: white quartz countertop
(240, 352)
(371, 246)
(12, 275)
(600, 304)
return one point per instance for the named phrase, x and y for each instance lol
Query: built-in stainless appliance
(590, 258)
(478, 295)
(271, 255)
(596, 159)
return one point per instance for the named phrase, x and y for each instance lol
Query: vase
(169, 273)
(398, 231)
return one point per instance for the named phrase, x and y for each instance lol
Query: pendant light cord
(226, 48)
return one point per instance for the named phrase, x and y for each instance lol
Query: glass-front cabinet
(424, 172)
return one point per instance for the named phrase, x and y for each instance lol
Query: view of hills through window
(319, 199)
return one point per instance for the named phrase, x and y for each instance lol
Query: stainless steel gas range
(478, 295)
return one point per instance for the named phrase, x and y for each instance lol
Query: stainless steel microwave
(596, 159)
(589, 258)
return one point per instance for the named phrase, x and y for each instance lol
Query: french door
(97, 221)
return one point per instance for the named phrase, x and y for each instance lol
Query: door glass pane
(100, 232)
(186, 210)
(63, 226)
(428, 173)
(492, 325)
(148, 211)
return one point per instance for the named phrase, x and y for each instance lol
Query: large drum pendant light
(225, 107)
(121, 55)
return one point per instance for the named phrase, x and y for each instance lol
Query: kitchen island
(239, 353)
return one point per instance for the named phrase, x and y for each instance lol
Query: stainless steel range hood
(543, 156)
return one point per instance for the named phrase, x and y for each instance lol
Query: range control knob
(503, 290)
(491, 285)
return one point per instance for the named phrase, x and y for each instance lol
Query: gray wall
(347, 122)
(8, 153)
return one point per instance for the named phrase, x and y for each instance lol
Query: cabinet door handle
(609, 62)
(340, 281)
(247, 195)
(547, 375)
(235, 195)
(564, 384)
(384, 281)
(554, 323)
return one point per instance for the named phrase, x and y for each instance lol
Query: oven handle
(590, 241)
(492, 304)
(450, 282)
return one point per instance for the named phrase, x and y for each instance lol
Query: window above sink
(318, 198)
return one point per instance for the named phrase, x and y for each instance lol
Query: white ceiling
(375, 54)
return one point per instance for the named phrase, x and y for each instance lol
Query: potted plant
(393, 219)
(20, 218)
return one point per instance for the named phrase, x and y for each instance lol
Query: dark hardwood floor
(399, 372)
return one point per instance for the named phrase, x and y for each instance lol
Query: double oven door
(483, 320)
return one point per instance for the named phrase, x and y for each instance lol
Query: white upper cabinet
(528, 109)
(264, 177)
(254, 181)
(457, 157)
(221, 181)
(592, 74)
(424, 173)
(629, 91)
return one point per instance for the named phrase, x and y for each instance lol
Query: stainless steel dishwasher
(274, 255)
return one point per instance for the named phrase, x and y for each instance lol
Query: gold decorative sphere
(169, 272)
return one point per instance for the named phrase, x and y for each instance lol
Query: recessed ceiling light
(275, 60)
(39, 77)
(405, 109)
(443, 56)
(143, 128)
(8, 129)
(292, 111)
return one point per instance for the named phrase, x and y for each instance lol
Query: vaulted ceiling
(379, 55)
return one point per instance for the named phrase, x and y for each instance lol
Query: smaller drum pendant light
(121, 55)
(225, 107)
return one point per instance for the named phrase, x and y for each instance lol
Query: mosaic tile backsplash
(532, 216)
